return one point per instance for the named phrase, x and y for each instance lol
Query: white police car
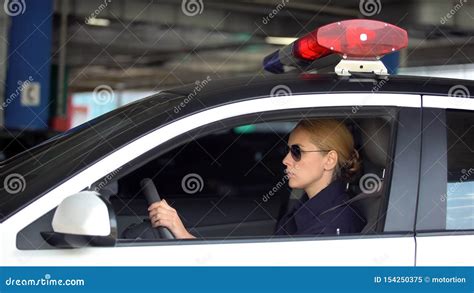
(214, 151)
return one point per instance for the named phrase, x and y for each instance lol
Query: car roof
(231, 89)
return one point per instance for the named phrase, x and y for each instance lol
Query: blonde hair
(330, 134)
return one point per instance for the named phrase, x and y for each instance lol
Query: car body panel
(444, 249)
(350, 251)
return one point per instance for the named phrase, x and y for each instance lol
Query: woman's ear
(331, 160)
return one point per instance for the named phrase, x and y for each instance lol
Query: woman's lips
(290, 174)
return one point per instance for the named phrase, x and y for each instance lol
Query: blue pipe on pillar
(392, 61)
(27, 93)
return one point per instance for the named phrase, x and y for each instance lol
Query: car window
(231, 183)
(460, 170)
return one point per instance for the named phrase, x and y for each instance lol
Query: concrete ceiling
(157, 44)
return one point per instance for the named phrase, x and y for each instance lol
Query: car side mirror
(81, 220)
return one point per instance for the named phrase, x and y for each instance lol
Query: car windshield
(45, 166)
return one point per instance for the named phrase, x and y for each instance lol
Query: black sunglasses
(296, 151)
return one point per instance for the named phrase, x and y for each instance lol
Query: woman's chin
(293, 184)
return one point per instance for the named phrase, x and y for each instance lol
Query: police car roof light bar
(361, 42)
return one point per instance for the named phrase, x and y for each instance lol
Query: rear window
(460, 170)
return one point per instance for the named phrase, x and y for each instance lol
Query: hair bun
(352, 166)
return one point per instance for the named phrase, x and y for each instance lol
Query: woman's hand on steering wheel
(161, 214)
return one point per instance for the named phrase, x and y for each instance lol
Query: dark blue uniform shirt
(310, 216)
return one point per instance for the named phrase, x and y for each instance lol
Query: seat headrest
(376, 137)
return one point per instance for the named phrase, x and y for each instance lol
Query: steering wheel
(152, 196)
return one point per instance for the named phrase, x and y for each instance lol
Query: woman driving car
(320, 158)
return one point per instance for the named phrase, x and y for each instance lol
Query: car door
(394, 244)
(445, 222)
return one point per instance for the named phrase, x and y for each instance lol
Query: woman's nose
(287, 160)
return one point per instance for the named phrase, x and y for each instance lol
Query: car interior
(237, 168)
